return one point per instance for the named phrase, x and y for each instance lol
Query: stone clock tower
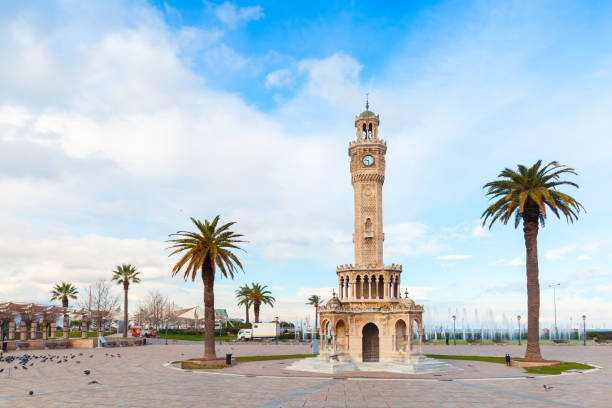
(368, 320)
(367, 155)
(368, 325)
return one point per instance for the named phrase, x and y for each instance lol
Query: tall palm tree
(124, 275)
(315, 300)
(527, 193)
(243, 294)
(260, 295)
(208, 248)
(64, 292)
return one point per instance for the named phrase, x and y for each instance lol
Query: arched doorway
(369, 342)
(401, 336)
(340, 336)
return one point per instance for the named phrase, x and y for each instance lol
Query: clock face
(368, 160)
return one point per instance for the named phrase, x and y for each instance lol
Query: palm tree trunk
(208, 278)
(530, 230)
(256, 312)
(247, 315)
(125, 311)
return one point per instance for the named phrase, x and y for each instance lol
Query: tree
(315, 300)
(527, 193)
(103, 303)
(244, 299)
(124, 275)
(260, 295)
(154, 309)
(64, 292)
(208, 248)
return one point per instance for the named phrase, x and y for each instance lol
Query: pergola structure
(34, 321)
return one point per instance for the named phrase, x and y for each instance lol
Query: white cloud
(480, 232)
(279, 78)
(411, 239)
(518, 261)
(233, 16)
(557, 254)
(584, 258)
(453, 257)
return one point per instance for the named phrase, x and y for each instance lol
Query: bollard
(228, 359)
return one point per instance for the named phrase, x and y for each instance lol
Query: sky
(119, 120)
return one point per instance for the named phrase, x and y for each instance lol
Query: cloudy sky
(119, 120)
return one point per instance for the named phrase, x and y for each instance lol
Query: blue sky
(119, 120)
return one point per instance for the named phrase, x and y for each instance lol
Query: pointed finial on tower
(367, 102)
(406, 293)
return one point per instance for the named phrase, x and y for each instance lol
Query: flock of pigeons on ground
(27, 361)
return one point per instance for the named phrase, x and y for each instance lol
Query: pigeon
(1, 370)
(91, 356)
(547, 387)
(86, 372)
(93, 382)
(30, 392)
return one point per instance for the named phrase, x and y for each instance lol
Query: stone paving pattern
(139, 379)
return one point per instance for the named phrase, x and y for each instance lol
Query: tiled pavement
(139, 379)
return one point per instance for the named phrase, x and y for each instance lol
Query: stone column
(45, 328)
(340, 289)
(83, 329)
(386, 286)
(362, 288)
(11, 335)
(420, 336)
(33, 330)
(334, 342)
(65, 327)
(53, 328)
(23, 331)
(373, 287)
(352, 284)
(409, 347)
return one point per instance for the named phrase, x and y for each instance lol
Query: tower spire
(367, 102)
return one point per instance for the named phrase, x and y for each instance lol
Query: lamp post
(554, 286)
(584, 330)
(166, 331)
(277, 328)
(454, 333)
(518, 318)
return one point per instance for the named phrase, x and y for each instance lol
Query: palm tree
(260, 295)
(527, 193)
(64, 292)
(206, 249)
(243, 294)
(123, 275)
(316, 300)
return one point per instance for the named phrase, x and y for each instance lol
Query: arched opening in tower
(369, 343)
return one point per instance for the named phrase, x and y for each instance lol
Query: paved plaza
(140, 376)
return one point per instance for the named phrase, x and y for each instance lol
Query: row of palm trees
(254, 295)
(527, 194)
(124, 275)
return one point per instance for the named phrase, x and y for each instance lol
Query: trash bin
(228, 359)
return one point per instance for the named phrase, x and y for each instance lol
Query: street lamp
(519, 327)
(554, 286)
(584, 329)
(166, 331)
(277, 329)
(454, 334)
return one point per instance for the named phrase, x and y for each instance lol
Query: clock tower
(368, 320)
(367, 155)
